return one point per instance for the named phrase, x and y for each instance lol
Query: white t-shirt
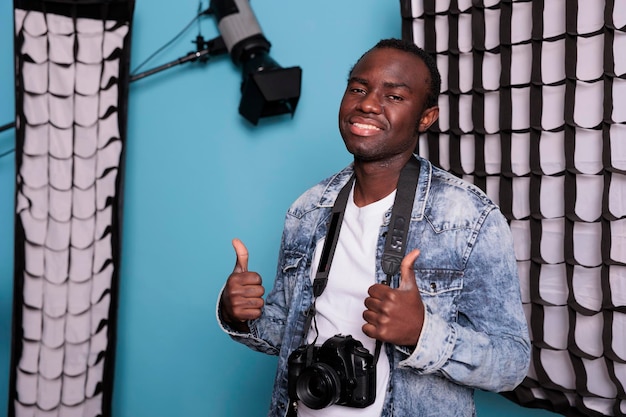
(341, 305)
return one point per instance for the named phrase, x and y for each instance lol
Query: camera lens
(318, 386)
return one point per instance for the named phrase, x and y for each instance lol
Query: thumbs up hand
(396, 315)
(242, 298)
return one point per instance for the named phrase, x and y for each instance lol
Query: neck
(375, 180)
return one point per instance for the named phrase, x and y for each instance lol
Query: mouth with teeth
(364, 129)
(365, 126)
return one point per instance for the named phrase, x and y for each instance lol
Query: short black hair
(410, 47)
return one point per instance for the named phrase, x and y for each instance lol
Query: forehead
(393, 66)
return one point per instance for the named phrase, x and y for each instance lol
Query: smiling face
(383, 107)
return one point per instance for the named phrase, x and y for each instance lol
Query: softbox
(71, 60)
(532, 111)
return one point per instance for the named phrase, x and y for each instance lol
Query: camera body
(340, 371)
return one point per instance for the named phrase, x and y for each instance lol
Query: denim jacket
(474, 334)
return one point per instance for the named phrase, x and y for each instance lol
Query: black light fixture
(267, 89)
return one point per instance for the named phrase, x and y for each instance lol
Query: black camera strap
(395, 243)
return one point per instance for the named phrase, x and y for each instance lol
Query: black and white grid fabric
(533, 111)
(71, 62)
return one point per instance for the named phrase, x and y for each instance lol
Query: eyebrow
(357, 80)
(396, 85)
(387, 84)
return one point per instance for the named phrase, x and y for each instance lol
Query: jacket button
(433, 286)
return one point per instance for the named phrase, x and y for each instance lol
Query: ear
(429, 116)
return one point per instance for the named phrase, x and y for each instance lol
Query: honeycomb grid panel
(551, 151)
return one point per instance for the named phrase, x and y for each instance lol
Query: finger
(248, 308)
(379, 291)
(240, 280)
(369, 330)
(372, 304)
(243, 304)
(241, 265)
(252, 290)
(407, 273)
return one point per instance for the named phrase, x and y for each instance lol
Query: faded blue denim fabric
(475, 333)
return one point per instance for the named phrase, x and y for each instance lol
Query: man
(449, 322)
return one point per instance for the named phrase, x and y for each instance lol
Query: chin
(364, 157)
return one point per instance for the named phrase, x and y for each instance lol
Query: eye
(393, 97)
(357, 90)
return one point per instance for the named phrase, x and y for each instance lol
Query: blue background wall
(197, 175)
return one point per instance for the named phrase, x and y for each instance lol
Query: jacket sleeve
(266, 332)
(250, 339)
(488, 345)
(278, 322)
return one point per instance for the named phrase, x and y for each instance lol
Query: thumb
(241, 265)
(407, 273)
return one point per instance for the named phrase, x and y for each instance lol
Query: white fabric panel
(599, 404)
(588, 152)
(521, 106)
(552, 190)
(618, 147)
(619, 90)
(492, 106)
(493, 154)
(591, 59)
(465, 38)
(552, 152)
(553, 106)
(587, 244)
(492, 69)
(466, 66)
(27, 386)
(521, 238)
(441, 27)
(552, 240)
(588, 334)
(590, 93)
(552, 57)
(555, 327)
(557, 365)
(587, 290)
(467, 153)
(520, 67)
(552, 284)
(521, 189)
(619, 333)
(493, 184)
(617, 281)
(33, 291)
(590, 17)
(619, 45)
(589, 191)
(521, 22)
(520, 146)
(553, 18)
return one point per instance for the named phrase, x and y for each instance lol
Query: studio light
(267, 89)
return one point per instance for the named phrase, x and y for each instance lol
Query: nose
(370, 103)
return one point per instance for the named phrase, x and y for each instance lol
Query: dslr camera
(340, 371)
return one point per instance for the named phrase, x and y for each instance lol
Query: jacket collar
(336, 182)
